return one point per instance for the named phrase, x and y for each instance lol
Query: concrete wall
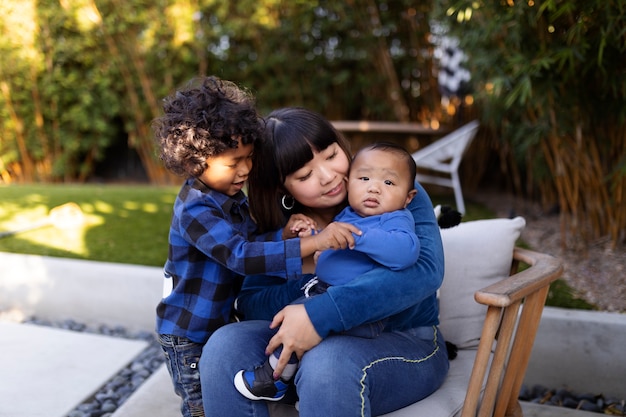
(86, 291)
(584, 351)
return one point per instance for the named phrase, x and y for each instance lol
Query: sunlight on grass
(72, 241)
(102, 207)
(127, 224)
(70, 238)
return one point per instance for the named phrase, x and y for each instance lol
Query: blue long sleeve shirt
(387, 239)
(212, 245)
(407, 297)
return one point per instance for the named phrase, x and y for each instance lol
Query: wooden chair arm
(543, 270)
(514, 307)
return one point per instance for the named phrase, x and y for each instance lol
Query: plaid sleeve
(210, 230)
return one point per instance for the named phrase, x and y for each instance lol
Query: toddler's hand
(299, 225)
(337, 235)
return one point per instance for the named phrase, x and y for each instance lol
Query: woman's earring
(288, 202)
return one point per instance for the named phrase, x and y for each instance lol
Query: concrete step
(47, 372)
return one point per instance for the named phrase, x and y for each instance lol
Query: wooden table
(385, 127)
(409, 135)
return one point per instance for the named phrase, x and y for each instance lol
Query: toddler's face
(378, 183)
(228, 171)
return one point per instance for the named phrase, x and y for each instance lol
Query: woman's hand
(296, 334)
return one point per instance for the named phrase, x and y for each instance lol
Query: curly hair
(203, 120)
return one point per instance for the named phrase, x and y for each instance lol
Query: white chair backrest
(445, 154)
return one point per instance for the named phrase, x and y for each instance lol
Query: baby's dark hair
(400, 152)
(202, 120)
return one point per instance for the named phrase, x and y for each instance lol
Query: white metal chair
(444, 157)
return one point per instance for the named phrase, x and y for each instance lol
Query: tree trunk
(140, 137)
(28, 166)
(382, 61)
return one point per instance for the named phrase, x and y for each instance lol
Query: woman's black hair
(290, 137)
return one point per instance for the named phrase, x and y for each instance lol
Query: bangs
(297, 138)
(291, 156)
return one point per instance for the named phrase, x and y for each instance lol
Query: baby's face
(379, 183)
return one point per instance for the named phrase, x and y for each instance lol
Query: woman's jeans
(182, 356)
(343, 376)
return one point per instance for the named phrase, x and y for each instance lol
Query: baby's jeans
(182, 357)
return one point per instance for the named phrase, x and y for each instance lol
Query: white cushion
(477, 254)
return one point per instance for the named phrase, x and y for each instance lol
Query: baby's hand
(304, 230)
(299, 225)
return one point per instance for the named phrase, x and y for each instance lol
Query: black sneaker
(260, 384)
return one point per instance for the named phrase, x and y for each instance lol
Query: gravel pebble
(562, 397)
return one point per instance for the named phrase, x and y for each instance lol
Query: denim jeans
(182, 357)
(343, 376)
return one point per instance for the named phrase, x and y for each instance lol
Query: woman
(303, 167)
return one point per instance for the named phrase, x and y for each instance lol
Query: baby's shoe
(260, 384)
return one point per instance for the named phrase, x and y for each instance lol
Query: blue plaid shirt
(212, 245)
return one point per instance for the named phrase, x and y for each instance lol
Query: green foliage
(522, 52)
(83, 75)
(549, 78)
(60, 90)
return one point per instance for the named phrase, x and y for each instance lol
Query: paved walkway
(47, 372)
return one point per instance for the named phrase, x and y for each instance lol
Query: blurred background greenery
(80, 81)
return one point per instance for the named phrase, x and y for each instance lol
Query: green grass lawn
(129, 224)
(122, 223)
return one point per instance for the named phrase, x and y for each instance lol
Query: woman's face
(321, 182)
